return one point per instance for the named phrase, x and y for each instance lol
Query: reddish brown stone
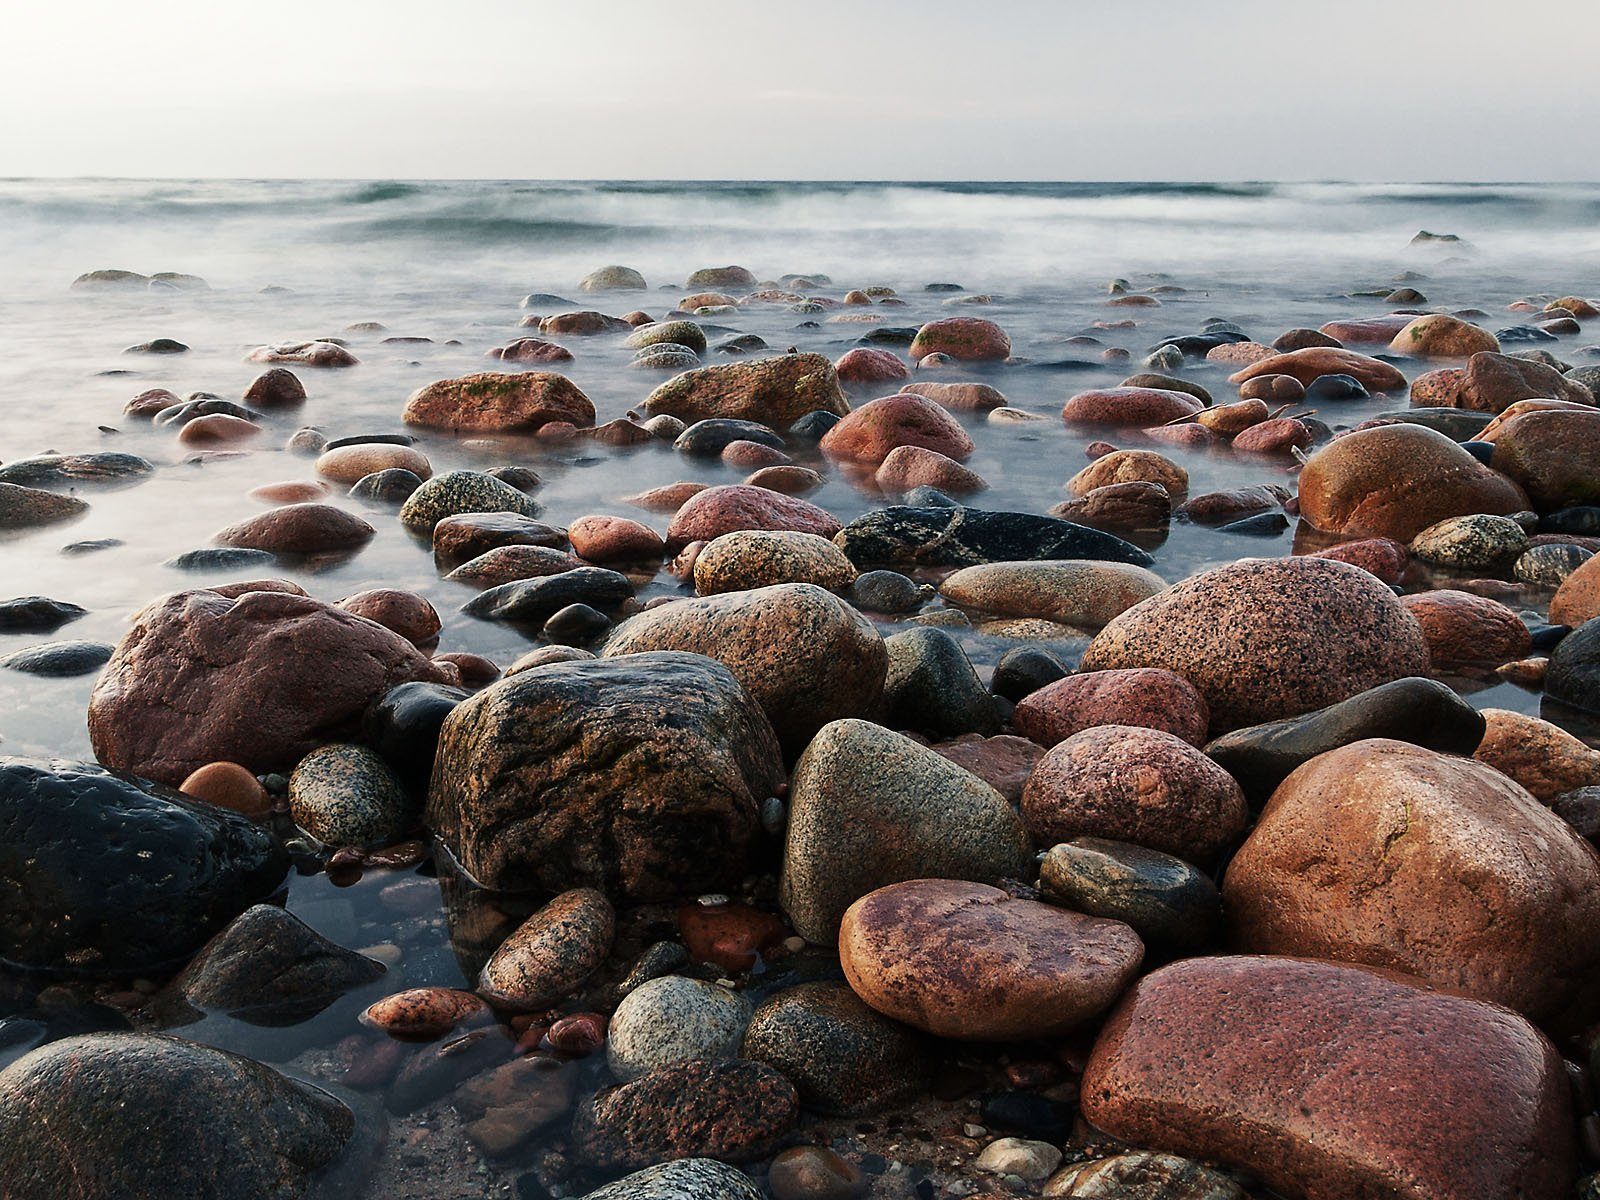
(774, 391)
(1218, 508)
(1282, 435)
(1189, 434)
(531, 350)
(1578, 598)
(718, 510)
(148, 404)
(495, 403)
(1555, 455)
(1335, 1083)
(261, 680)
(614, 539)
(347, 464)
(1367, 330)
(961, 397)
(1003, 762)
(467, 535)
(1130, 466)
(1119, 507)
(408, 614)
(1147, 697)
(790, 480)
(1383, 557)
(1313, 362)
(585, 323)
(1396, 480)
(1239, 352)
(217, 429)
(1444, 388)
(552, 953)
(907, 467)
(425, 1012)
(968, 339)
(1544, 758)
(1462, 628)
(732, 936)
(228, 785)
(1230, 420)
(1388, 854)
(289, 491)
(669, 497)
(1139, 406)
(299, 529)
(275, 388)
(744, 455)
(1133, 785)
(966, 961)
(1493, 382)
(870, 365)
(869, 433)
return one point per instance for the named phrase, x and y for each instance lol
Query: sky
(804, 89)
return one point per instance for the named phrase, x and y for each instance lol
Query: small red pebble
(577, 1036)
(1099, 449)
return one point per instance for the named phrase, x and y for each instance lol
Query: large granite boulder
(1554, 454)
(260, 679)
(1263, 639)
(870, 807)
(775, 391)
(640, 776)
(103, 874)
(1335, 1082)
(124, 1116)
(1388, 854)
(804, 655)
(491, 402)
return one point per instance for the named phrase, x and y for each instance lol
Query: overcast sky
(801, 89)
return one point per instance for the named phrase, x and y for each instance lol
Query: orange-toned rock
(907, 467)
(289, 491)
(1544, 758)
(1491, 431)
(614, 539)
(706, 300)
(733, 936)
(1443, 388)
(425, 1012)
(669, 497)
(1082, 592)
(1281, 435)
(1367, 330)
(1576, 305)
(1578, 598)
(871, 365)
(1128, 507)
(1463, 628)
(228, 785)
(775, 391)
(1439, 335)
(868, 434)
(1335, 1082)
(1230, 420)
(585, 323)
(1426, 863)
(745, 454)
(1131, 466)
(1555, 455)
(1313, 362)
(961, 397)
(790, 480)
(718, 510)
(491, 402)
(1384, 557)
(968, 339)
(503, 564)
(1396, 480)
(1274, 389)
(1133, 784)
(408, 614)
(552, 953)
(967, 961)
(350, 463)
(1146, 697)
(1257, 638)
(1493, 382)
(299, 529)
(217, 429)
(1139, 406)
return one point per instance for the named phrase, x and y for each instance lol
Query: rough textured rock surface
(1544, 758)
(682, 1179)
(968, 961)
(903, 535)
(753, 558)
(230, 1129)
(710, 513)
(1311, 363)
(1335, 1082)
(1391, 855)
(102, 873)
(1256, 638)
(776, 391)
(805, 656)
(869, 807)
(1080, 592)
(1148, 697)
(1554, 455)
(641, 776)
(492, 402)
(260, 680)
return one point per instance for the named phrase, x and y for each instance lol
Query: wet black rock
(103, 874)
(1335, 387)
(964, 537)
(576, 624)
(925, 495)
(1168, 902)
(1421, 711)
(68, 470)
(403, 726)
(842, 1057)
(162, 345)
(58, 660)
(534, 601)
(267, 968)
(812, 426)
(887, 592)
(1027, 1114)
(215, 558)
(1457, 424)
(436, 1070)
(182, 414)
(148, 1117)
(889, 336)
(711, 437)
(745, 343)
(931, 687)
(1023, 670)
(372, 439)
(392, 485)
(1582, 519)
(37, 614)
(1482, 451)
(1574, 674)
(1267, 524)
(1513, 334)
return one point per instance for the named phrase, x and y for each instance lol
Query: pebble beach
(995, 691)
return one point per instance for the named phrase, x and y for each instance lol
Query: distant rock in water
(964, 537)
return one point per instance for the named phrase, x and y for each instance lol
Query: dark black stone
(1336, 387)
(888, 336)
(1457, 424)
(37, 614)
(745, 343)
(1574, 674)
(931, 687)
(1581, 810)
(813, 425)
(1582, 519)
(1198, 345)
(392, 485)
(439, 1068)
(90, 546)
(58, 660)
(943, 287)
(1482, 451)
(210, 558)
(1168, 902)
(66, 470)
(886, 592)
(1267, 524)
(103, 874)
(403, 726)
(158, 346)
(372, 439)
(1023, 670)
(1547, 637)
(1030, 1115)
(925, 495)
(576, 623)
(711, 437)
(964, 537)
(1513, 334)
(1421, 711)
(536, 600)
(524, 479)
(1065, 365)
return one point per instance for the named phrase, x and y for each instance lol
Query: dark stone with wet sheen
(1167, 901)
(536, 600)
(403, 726)
(964, 537)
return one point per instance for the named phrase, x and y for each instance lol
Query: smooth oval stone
(1422, 711)
(425, 1012)
(1574, 674)
(460, 492)
(403, 726)
(211, 558)
(814, 425)
(58, 660)
(1023, 670)
(58, 470)
(1550, 564)
(537, 600)
(189, 410)
(932, 688)
(682, 1179)
(346, 795)
(1470, 543)
(392, 485)
(26, 507)
(371, 439)
(576, 623)
(1163, 898)
(552, 953)
(712, 436)
(37, 614)
(671, 1020)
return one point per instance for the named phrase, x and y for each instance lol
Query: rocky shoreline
(934, 848)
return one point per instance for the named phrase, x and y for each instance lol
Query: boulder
(494, 402)
(903, 535)
(570, 775)
(775, 391)
(1554, 455)
(1311, 363)
(755, 558)
(714, 511)
(107, 874)
(805, 656)
(868, 434)
(1578, 598)
(1130, 466)
(970, 962)
(260, 680)
(1493, 382)
(1263, 639)
(966, 339)
(1437, 866)
(1438, 335)
(869, 807)
(1541, 757)
(1334, 1082)
(1461, 627)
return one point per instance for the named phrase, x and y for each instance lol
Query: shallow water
(450, 262)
